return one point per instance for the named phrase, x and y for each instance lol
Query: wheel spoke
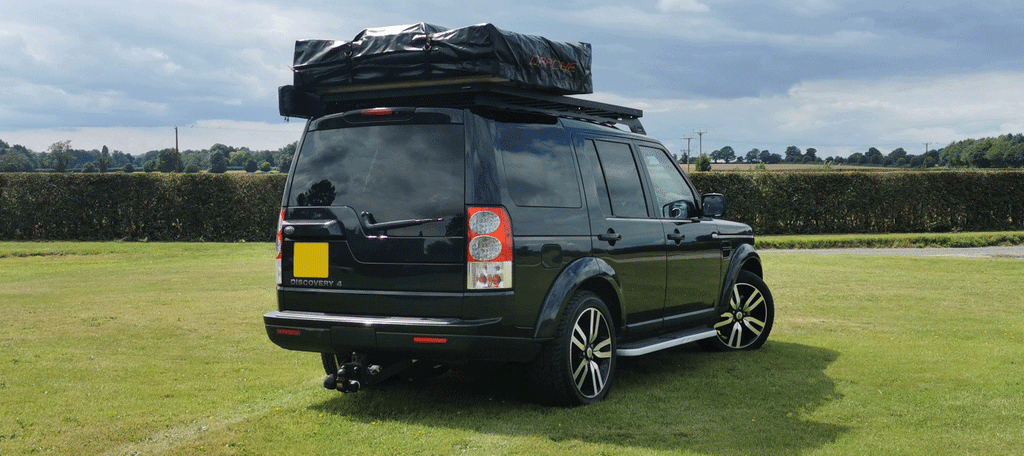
(735, 301)
(581, 375)
(750, 322)
(595, 319)
(727, 319)
(598, 379)
(755, 299)
(579, 337)
(603, 349)
(736, 336)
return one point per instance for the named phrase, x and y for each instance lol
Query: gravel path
(971, 252)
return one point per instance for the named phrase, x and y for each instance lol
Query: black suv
(479, 222)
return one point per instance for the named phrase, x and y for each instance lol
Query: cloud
(682, 6)
(145, 63)
(708, 29)
(840, 117)
(42, 103)
(811, 8)
(856, 75)
(964, 100)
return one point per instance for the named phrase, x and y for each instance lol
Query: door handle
(610, 236)
(676, 236)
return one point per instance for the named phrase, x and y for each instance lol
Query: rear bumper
(431, 338)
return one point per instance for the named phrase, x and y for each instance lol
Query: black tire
(578, 365)
(748, 317)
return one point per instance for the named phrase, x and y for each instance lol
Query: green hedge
(140, 206)
(234, 207)
(856, 202)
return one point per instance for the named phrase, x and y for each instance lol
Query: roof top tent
(428, 65)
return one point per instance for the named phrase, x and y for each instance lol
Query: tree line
(793, 154)
(61, 157)
(1006, 151)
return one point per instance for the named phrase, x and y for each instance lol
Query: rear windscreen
(395, 172)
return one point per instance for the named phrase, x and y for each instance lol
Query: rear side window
(622, 179)
(540, 170)
(395, 172)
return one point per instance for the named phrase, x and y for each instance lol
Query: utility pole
(688, 138)
(177, 153)
(701, 140)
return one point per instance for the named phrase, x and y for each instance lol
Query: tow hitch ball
(350, 377)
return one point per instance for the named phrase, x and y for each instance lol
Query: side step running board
(643, 347)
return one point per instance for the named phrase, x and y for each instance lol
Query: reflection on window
(395, 172)
(669, 187)
(319, 194)
(623, 179)
(539, 167)
(590, 153)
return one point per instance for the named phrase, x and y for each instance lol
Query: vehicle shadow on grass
(682, 399)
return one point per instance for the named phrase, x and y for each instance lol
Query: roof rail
(462, 93)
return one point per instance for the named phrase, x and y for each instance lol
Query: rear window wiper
(368, 223)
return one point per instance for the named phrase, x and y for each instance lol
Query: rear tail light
(280, 241)
(489, 250)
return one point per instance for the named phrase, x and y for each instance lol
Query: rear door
(375, 207)
(625, 234)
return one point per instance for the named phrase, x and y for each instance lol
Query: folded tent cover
(425, 52)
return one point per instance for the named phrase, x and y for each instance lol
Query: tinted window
(590, 152)
(539, 166)
(395, 172)
(669, 187)
(622, 179)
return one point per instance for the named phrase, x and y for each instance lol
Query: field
(796, 167)
(119, 348)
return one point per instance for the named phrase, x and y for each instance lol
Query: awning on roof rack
(421, 52)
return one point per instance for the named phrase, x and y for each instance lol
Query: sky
(839, 76)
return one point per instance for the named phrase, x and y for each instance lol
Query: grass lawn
(119, 348)
(900, 240)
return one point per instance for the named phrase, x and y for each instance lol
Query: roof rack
(463, 93)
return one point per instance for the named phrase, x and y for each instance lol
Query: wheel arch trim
(744, 258)
(571, 279)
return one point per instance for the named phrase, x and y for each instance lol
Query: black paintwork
(655, 274)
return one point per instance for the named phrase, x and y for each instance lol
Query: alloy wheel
(590, 352)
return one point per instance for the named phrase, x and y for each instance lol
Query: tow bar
(358, 373)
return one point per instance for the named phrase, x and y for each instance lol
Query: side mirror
(714, 205)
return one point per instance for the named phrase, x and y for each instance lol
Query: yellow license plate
(311, 260)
